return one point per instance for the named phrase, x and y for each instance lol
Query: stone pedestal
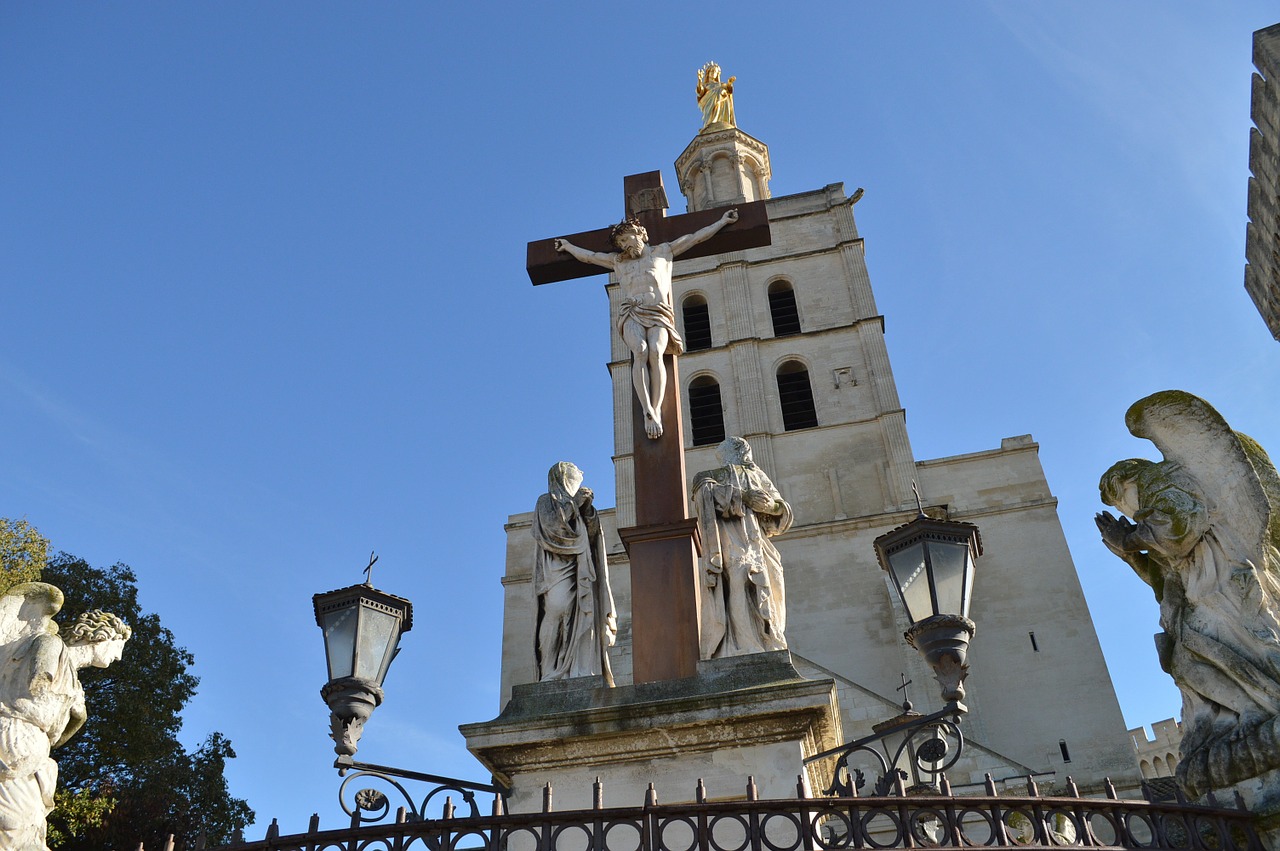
(747, 716)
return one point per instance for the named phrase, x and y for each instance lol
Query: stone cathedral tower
(785, 347)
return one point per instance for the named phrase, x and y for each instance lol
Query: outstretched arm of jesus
(596, 257)
(689, 240)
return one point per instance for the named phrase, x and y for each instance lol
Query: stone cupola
(723, 167)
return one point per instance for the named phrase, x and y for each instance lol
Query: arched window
(1158, 766)
(697, 323)
(782, 307)
(706, 414)
(796, 396)
(1145, 767)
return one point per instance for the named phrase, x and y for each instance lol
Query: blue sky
(265, 305)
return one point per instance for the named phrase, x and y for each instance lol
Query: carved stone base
(746, 716)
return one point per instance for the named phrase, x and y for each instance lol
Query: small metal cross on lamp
(362, 628)
(932, 565)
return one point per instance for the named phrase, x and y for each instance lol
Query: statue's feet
(652, 427)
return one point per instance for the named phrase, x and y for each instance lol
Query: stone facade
(1262, 241)
(1040, 696)
(1158, 754)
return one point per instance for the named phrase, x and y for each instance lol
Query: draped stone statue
(41, 701)
(715, 99)
(1203, 529)
(576, 620)
(743, 596)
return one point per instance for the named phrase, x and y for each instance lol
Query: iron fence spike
(753, 794)
(944, 785)
(1033, 790)
(546, 797)
(1110, 789)
(448, 807)
(801, 792)
(651, 796)
(700, 793)
(273, 832)
(1072, 789)
(314, 825)
(597, 794)
(402, 815)
(990, 784)
(168, 843)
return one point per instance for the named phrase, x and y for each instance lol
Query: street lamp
(932, 565)
(362, 628)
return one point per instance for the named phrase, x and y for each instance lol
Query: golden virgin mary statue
(715, 99)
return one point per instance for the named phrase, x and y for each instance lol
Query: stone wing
(1238, 480)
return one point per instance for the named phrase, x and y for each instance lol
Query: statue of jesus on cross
(646, 320)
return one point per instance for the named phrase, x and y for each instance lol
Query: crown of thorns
(629, 224)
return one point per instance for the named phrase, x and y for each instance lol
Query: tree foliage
(23, 553)
(128, 752)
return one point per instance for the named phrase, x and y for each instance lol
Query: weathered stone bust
(1203, 529)
(41, 701)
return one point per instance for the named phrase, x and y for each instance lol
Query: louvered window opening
(706, 414)
(782, 306)
(796, 397)
(697, 325)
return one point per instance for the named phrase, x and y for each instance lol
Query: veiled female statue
(743, 596)
(715, 99)
(576, 618)
(41, 701)
(1203, 532)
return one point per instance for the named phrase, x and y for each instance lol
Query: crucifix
(663, 543)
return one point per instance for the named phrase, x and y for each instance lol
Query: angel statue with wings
(1203, 529)
(41, 700)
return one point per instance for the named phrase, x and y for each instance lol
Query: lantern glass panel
(377, 631)
(913, 580)
(968, 582)
(949, 559)
(340, 641)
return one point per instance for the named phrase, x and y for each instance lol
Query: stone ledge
(741, 702)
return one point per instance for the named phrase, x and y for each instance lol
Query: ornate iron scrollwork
(913, 751)
(367, 804)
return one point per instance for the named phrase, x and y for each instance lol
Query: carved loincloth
(652, 316)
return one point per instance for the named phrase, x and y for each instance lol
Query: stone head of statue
(629, 237)
(1119, 485)
(734, 450)
(101, 631)
(563, 481)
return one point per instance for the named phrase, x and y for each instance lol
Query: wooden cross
(665, 588)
